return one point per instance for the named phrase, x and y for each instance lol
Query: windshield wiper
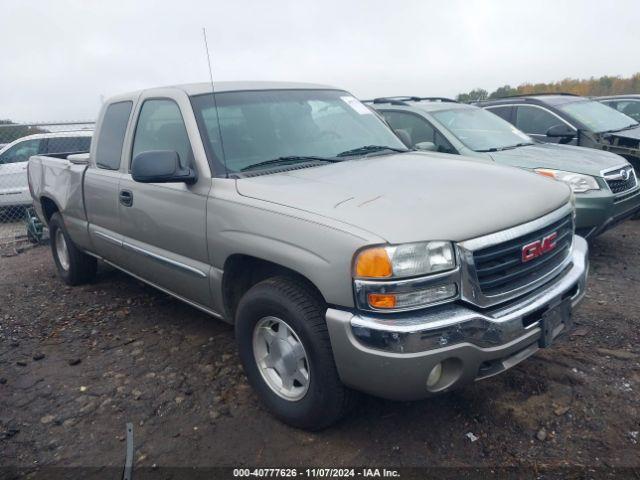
(490, 150)
(521, 144)
(508, 147)
(291, 159)
(633, 125)
(369, 149)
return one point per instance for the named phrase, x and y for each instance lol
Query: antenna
(215, 103)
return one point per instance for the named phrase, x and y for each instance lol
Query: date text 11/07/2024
(316, 472)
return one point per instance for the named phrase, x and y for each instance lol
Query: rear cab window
(111, 135)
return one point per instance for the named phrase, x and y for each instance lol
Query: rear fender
(61, 182)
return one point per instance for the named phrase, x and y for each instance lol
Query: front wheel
(285, 349)
(74, 266)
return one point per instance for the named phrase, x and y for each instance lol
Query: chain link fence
(19, 226)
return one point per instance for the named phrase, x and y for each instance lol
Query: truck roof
(205, 87)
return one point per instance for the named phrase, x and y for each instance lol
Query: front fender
(316, 249)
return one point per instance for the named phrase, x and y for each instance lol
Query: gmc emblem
(538, 248)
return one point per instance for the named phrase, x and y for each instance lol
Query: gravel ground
(13, 236)
(76, 364)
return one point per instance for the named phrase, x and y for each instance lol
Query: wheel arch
(243, 271)
(49, 207)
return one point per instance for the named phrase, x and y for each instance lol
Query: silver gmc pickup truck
(345, 261)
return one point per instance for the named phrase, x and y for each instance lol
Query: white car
(14, 188)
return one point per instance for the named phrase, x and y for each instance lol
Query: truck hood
(413, 196)
(560, 157)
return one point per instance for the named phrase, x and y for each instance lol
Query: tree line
(607, 85)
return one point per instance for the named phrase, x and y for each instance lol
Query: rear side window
(418, 129)
(111, 135)
(503, 112)
(534, 120)
(68, 145)
(628, 107)
(161, 127)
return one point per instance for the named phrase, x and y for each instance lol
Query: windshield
(260, 126)
(597, 117)
(481, 130)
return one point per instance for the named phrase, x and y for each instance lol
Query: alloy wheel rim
(62, 250)
(281, 358)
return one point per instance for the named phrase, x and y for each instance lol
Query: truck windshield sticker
(356, 105)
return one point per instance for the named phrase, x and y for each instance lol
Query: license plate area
(555, 321)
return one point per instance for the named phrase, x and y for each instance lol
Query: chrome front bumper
(391, 356)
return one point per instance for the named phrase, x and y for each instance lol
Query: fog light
(434, 375)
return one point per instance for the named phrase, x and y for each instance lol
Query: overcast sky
(58, 57)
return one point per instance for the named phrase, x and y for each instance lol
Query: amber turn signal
(545, 173)
(380, 300)
(373, 263)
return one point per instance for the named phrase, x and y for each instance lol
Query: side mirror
(426, 146)
(404, 136)
(160, 166)
(561, 131)
(79, 158)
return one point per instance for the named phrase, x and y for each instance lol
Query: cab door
(163, 226)
(102, 180)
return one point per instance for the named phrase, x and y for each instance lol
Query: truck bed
(57, 180)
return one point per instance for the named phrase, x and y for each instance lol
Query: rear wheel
(285, 349)
(74, 266)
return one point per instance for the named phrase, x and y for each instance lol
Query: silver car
(14, 190)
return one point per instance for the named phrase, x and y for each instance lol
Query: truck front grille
(500, 268)
(616, 181)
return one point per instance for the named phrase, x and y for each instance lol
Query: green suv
(604, 184)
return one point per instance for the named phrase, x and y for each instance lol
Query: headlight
(578, 182)
(405, 277)
(402, 261)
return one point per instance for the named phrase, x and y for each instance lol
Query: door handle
(126, 197)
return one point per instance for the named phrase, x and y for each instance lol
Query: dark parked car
(605, 187)
(573, 120)
(628, 104)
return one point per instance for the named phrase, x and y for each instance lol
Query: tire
(325, 400)
(74, 267)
